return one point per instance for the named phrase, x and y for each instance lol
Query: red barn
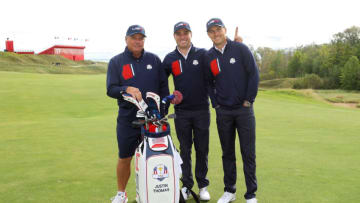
(75, 53)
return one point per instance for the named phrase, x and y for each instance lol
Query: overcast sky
(34, 24)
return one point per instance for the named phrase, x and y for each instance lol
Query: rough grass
(58, 144)
(340, 96)
(343, 97)
(47, 64)
(278, 83)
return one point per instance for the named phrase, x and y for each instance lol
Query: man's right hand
(237, 38)
(178, 97)
(134, 92)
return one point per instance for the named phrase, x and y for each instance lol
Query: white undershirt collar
(185, 56)
(221, 50)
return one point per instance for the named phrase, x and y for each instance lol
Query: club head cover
(178, 97)
(154, 97)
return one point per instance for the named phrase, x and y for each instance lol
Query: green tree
(346, 44)
(350, 74)
(310, 53)
(294, 67)
(323, 62)
(265, 54)
(279, 63)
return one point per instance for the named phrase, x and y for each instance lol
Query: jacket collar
(191, 50)
(129, 53)
(226, 47)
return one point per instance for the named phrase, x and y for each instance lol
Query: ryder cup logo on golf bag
(157, 162)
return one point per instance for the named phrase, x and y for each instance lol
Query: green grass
(58, 144)
(47, 64)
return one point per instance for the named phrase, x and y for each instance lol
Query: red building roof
(75, 53)
(61, 46)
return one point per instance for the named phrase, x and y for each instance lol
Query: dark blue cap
(135, 29)
(181, 25)
(214, 22)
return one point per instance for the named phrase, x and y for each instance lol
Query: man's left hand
(246, 104)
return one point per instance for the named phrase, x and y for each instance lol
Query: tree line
(332, 65)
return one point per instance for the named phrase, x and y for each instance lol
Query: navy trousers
(193, 127)
(241, 120)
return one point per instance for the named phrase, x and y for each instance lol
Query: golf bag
(157, 166)
(157, 162)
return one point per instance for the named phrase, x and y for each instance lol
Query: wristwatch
(246, 104)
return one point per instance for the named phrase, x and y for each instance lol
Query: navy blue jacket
(233, 75)
(189, 78)
(144, 73)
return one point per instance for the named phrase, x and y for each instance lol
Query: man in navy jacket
(234, 77)
(135, 72)
(192, 121)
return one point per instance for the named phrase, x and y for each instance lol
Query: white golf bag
(157, 167)
(157, 162)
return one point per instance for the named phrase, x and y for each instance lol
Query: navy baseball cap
(135, 29)
(214, 22)
(181, 25)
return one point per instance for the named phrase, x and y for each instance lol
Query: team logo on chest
(149, 67)
(195, 62)
(232, 60)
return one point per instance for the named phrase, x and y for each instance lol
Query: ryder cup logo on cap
(135, 29)
(213, 22)
(181, 25)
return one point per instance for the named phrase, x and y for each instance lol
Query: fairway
(58, 144)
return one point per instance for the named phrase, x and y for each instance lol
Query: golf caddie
(233, 75)
(135, 72)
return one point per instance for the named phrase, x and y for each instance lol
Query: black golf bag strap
(196, 198)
